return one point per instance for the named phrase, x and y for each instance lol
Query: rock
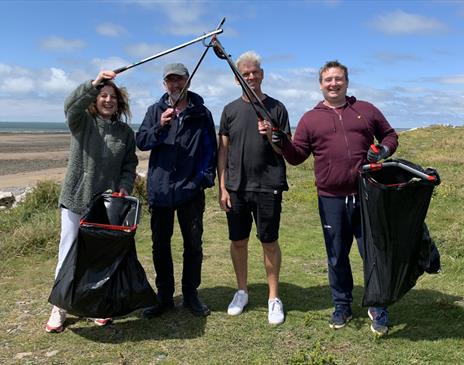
(21, 355)
(22, 196)
(161, 357)
(51, 353)
(142, 173)
(10, 199)
(7, 199)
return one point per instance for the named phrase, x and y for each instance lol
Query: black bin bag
(101, 276)
(395, 197)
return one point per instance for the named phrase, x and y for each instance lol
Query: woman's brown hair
(122, 96)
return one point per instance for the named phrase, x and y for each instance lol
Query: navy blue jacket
(183, 155)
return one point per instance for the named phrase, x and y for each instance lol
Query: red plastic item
(375, 148)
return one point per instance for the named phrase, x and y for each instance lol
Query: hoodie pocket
(337, 175)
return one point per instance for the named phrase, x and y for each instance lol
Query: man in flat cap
(179, 131)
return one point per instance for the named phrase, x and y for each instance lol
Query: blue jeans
(341, 222)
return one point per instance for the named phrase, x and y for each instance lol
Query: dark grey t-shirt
(252, 164)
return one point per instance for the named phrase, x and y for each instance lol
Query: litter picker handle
(137, 206)
(378, 166)
(125, 68)
(375, 148)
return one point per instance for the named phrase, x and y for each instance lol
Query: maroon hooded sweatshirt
(339, 140)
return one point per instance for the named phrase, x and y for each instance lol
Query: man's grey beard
(175, 96)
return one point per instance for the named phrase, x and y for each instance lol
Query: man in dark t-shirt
(252, 176)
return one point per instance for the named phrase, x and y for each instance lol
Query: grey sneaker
(379, 317)
(340, 317)
(237, 304)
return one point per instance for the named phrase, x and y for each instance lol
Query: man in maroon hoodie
(339, 132)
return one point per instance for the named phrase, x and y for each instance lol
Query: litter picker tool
(184, 89)
(210, 34)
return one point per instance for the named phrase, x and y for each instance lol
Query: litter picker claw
(184, 89)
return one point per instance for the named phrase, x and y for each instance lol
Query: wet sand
(27, 158)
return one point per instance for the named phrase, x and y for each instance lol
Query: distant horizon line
(217, 125)
(137, 124)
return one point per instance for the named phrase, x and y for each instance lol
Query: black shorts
(264, 207)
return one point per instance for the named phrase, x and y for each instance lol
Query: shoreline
(26, 158)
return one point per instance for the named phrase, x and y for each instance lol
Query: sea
(39, 127)
(55, 127)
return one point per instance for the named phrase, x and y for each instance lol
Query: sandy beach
(27, 158)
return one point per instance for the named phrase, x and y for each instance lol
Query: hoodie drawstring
(353, 199)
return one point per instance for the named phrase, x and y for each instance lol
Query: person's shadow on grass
(424, 314)
(181, 324)
(177, 323)
(294, 297)
(421, 314)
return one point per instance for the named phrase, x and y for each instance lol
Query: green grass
(427, 324)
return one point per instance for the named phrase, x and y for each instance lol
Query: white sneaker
(56, 320)
(276, 311)
(238, 303)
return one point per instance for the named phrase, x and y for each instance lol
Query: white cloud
(216, 84)
(8, 70)
(311, 72)
(457, 79)
(5, 69)
(28, 94)
(16, 80)
(290, 93)
(56, 81)
(32, 109)
(452, 79)
(17, 85)
(111, 30)
(332, 3)
(109, 63)
(144, 50)
(394, 57)
(400, 22)
(430, 106)
(185, 29)
(183, 11)
(55, 43)
(28, 82)
(183, 16)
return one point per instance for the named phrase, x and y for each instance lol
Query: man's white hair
(249, 56)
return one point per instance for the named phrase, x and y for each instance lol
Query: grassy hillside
(427, 324)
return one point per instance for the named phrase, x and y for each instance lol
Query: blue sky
(406, 57)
